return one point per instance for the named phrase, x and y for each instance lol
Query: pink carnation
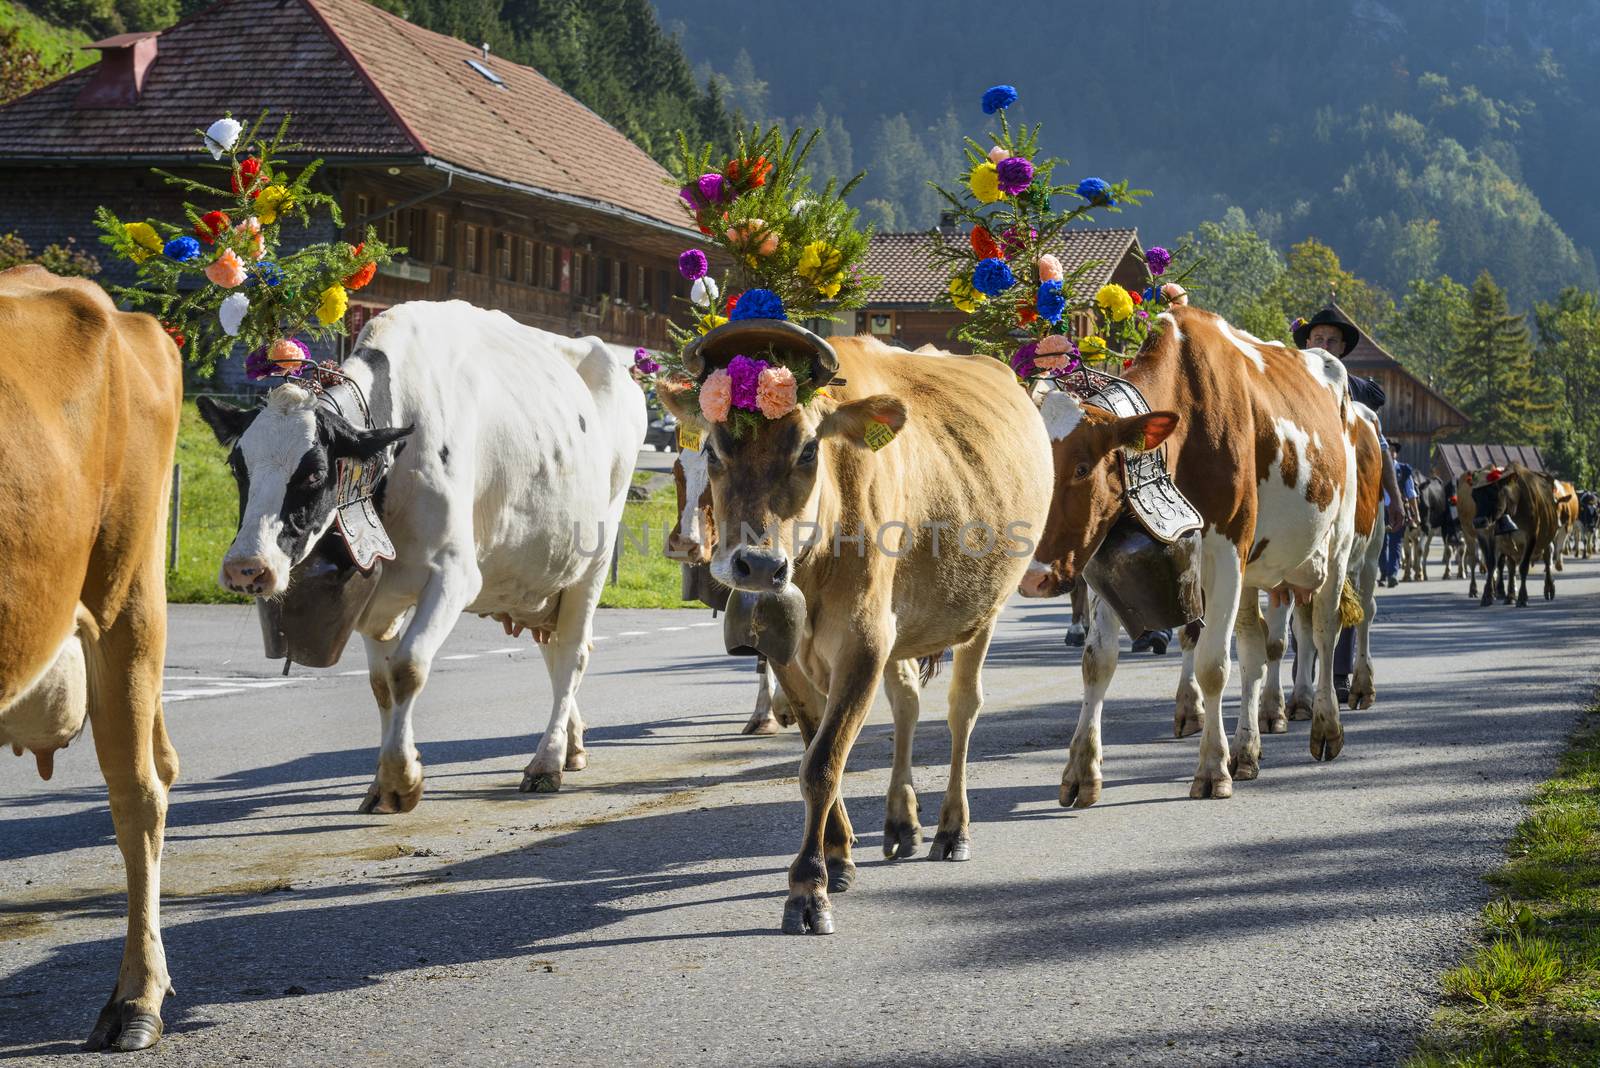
(1175, 293)
(226, 270)
(1053, 363)
(996, 154)
(1054, 344)
(777, 393)
(1049, 268)
(716, 396)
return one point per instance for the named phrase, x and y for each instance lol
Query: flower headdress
(1019, 299)
(219, 281)
(794, 254)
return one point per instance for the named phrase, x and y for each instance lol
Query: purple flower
(705, 191)
(692, 264)
(746, 375)
(1022, 360)
(257, 366)
(1141, 313)
(1158, 260)
(1016, 175)
(643, 363)
(1011, 242)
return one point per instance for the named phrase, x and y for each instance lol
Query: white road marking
(713, 623)
(632, 633)
(671, 628)
(460, 656)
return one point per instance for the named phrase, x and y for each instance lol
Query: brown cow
(900, 553)
(1263, 450)
(89, 402)
(1516, 517)
(1566, 496)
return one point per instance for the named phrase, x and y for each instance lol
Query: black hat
(1332, 315)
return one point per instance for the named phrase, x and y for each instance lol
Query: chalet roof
(1458, 459)
(1369, 356)
(909, 278)
(362, 85)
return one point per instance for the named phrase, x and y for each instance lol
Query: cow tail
(928, 666)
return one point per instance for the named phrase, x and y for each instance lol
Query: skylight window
(483, 69)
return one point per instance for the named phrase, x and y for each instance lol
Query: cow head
(1494, 500)
(695, 534)
(283, 457)
(765, 485)
(1085, 440)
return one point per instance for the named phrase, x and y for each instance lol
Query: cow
(1588, 522)
(1263, 449)
(90, 399)
(1472, 551)
(1515, 515)
(1439, 519)
(1566, 497)
(515, 449)
(921, 540)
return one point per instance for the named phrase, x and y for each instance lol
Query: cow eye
(1081, 471)
(712, 459)
(808, 453)
(313, 479)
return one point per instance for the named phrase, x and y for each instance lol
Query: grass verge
(1529, 995)
(210, 512)
(52, 42)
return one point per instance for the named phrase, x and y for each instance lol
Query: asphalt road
(633, 918)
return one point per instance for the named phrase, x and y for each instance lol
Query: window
(361, 210)
(415, 234)
(440, 246)
(620, 276)
(550, 279)
(483, 69)
(641, 286)
(603, 277)
(529, 260)
(391, 224)
(503, 257)
(470, 248)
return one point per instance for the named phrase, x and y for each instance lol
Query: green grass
(210, 513)
(52, 42)
(1529, 996)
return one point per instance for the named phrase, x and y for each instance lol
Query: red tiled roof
(910, 278)
(359, 82)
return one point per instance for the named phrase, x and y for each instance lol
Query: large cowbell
(311, 623)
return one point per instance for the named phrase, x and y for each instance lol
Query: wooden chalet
(1452, 460)
(505, 191)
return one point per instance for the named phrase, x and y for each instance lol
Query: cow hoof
(767, 724)
(841, 874)
(1326, 742)
(901, 841)
(1079, 793)
(950, 845)
(540, 782)
(1076, 636)
(807, 914)
(123, 1027)
(1363, 696)
(1299, 709)
(1245, 766)
(1211, 786)
(1186, 717)
(1273, 723)
(382, 802)
(576, 761)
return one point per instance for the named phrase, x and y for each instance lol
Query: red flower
(727, 307)
(362, 276)
(984, 245)
(247, 177)
(1026, 313)
(211, 226)
(748, 173)
(1126, 364)
(1138, 298)
(177, 338)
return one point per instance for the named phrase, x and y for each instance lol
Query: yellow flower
(1115, 302)
(819, 265)
(334, 301)
(145, 237)
(710, 321)
(963, 296)
(1093, 345)
(272, 200)
(985, 182)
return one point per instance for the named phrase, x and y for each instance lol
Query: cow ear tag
(877, 435)
(690, 437)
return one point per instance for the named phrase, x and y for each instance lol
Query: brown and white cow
(901, 553)
(1566, 497)
(1259, 440)
(89, 405)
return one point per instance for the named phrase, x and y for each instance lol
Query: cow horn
(716, 347)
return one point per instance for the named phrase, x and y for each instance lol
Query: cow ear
(365, 444)
(1141, 433)
(852, 419)
(675, 399)
(227, 422)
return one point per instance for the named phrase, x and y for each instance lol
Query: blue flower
(998, 98)
(1149, 294)
(1097, 191)
(992, 277)
(182, 249)
(758, 304)
(265, 273)
(1052, 301)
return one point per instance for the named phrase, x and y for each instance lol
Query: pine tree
(1492, 376)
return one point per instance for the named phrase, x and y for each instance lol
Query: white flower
(800, 206)
(221, 135)
(232, 313)
(704, 291)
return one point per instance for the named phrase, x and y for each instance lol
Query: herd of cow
(511, 449)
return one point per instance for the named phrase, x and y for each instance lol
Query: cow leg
(1077, 633)
(902, 827)
(1363, 686)
(1272, 717)
(1186, 704)
(1303, 700)
(1080, 780)
(954, 840)
(139, 765)
(566, 657)
(1251, 630)
(824, 856)
(1549, 581)
(1223, 579)
(762, 721)
(1327, 734)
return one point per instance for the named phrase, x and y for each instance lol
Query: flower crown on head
(1019, 298)
(221, 281)
(793, 253)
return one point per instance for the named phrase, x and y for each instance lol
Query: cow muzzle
(759, 570)
(687, 550)
(251, 575)
(1043, 581)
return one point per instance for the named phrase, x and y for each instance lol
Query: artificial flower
(984, 246)
(1011, 242)
(754, 233)
(777, 393)
(1014, 175)
(716, 396)
(992, 277)
(998, 98)
(1049, 268)
(1158, 260)
(709, 322)
(182, 249)
(270, 202)
(1055, 344)
(231, 312)
(331, 306)
(257, 366)
(364, 273)
(1056, 364)
(996, 154)
(246, 177)
(705, 191)
(963, 296)
(1148, 295)
(1093, 345)
(1114, 301)
(211, 225)
(1133, 295)
(747, 173)
(146, 241)
(1052, 301)
(704, 291)
(985, 183)
(746, 376)
(251, 228)
(289, 353)
(221, 136)
(758, 304)
(727, 304)
(693, 264)
(264, 273)
(1175, 293)
(174, 333)
(1097, 191)
(643, 363)
(1299, 320)
(1027, 314)
(819, 265)
(227, 270)
(1022, 360)
(1141, 313)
